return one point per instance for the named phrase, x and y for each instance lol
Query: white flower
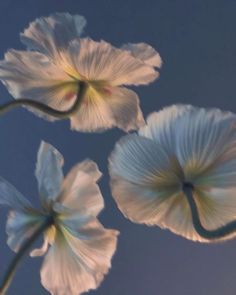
(180, 144)
(80, 247)
(59, 59)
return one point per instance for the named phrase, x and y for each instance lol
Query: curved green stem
(23, 250)
(82, 87)
(215, 234)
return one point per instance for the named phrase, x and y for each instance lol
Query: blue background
(197, 41)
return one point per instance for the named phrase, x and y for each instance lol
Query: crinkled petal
(204, 142)
(9, 196)
(73, 266)
(143, 162)
(31, 75)
(94, 114)
(139, 203)
(162, 127)
(145, 53)
(206, 145)
(124, 106)
(99, 61)
(143, 179)
(20, 226)
(51, 35)
(80, 190)
(49, 172)
(110, 107)
(216, 208)
(40, 251)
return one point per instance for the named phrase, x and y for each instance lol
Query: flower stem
(23, 250)
(215, 234)
(82, 87)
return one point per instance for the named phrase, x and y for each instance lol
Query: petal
(20, 226)
(74, 266)
(52, 34)
(9, 196)
(145, 53)
(49, 172)
(139, 203)
(206, 145)
(202, 140)
(41, 251)
(80, 190)
(143, 179)
(143, 162)
(99, 61)
(216, 208)
(107, 108)
(31, 75)
(162, 126)
(94, 114)
(125, 109)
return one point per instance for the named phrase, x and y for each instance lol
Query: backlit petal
(74, 266)
(145, 53)
(51, 35)
(100, 61)
(31, 75)
(111, 107)
(162, 127)
(216, 208)
(9, 196)
(49, 172)
(143, 179)
(80, 190)
(125, 109)
(20, 226)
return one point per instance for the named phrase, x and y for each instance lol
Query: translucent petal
(51, 35)
(145, 53)
(9, 196)
(143, 162)
(20, 226)
(110, 107)
(99, 61)
(162, 126)
(31, 75)
(94, 114)
(49, 173)
(73, 266)
(139, 203)
(216, 208)
(143, 179)
(206, 144)
(80, 190)
(125, 109)
(40, 251)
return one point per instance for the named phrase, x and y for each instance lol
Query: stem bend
(215, 234)
(23, 250)
(82, 88)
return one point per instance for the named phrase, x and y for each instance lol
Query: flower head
(59, 58)
(179, 145)
(80, 247)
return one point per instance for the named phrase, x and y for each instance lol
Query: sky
(197, 42)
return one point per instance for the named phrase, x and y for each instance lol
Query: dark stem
(215, 234)
(82, 87)
(23, 250)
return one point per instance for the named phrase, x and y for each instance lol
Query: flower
(59, 58)
(180, 144)
(80, 247)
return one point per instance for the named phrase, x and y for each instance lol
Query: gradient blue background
(197, 41)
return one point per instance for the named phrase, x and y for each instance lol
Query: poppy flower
(180, 146)
(59, 58)
(77, 248)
